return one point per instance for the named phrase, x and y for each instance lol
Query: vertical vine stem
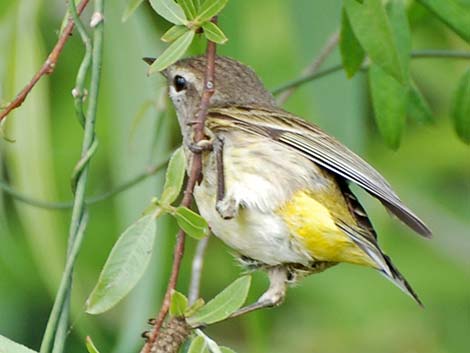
(195, 175)
(55, 334)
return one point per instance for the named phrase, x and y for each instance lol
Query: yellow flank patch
(311, 219)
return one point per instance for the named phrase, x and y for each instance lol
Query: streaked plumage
(286, 179)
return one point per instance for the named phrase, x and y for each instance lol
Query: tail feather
(397, 278)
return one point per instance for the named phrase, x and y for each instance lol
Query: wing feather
(320, 148)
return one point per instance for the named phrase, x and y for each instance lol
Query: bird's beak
(150, 61)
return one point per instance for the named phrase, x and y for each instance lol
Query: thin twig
(419, 54)
(196, 270)
(89, 201)
(55, 334)
(194, 177)
(48, 66)
(328, 48)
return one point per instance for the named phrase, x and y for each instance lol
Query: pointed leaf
(170, 11)
(125, 265)
(131, 6)
(352, 54)
(209, 9)
(401, 32)
(224, 304)
(214, 33)
(174, 52)
(90, 346)
(189, 8)
(179, 304)
(452, 13)
(174, 177)
(9, 346)
(418, 107)
(226, 350)
(371, 26)
(198, 345)
(211, 344)
(390, 101)
(174, 33)
(193, 224)
(461, 108)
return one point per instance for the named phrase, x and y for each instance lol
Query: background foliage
(346, 309)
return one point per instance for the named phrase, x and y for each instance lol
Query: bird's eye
(180, 83)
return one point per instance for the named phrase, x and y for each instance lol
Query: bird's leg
(275, 294)
(226, 206)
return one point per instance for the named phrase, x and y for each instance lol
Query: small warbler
(275, 187)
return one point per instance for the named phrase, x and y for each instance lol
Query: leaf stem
(420, 54)
(194, 177)
(55, 334)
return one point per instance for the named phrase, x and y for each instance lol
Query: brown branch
(325, 52)
(48, 66)
(194, 177)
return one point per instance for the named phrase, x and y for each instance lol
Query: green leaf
(372, 28)
(174, 177)
(223, 305)
(125, 265)
(455, 15)
(174, 33)
(209, 9)
(401, 32)
(214, 33)
(9, 346)
(179, 304)
(198, 345)
(132, 5)
(189, 8)
(193, 224)
(190, 310)
(170, 11)
(418, 108)
(211, 344)
(352, 54)
(461, 108)
(90, 346)
(390, 101)
(174, 52)
(226, 350)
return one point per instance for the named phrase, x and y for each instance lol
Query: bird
(276, 188)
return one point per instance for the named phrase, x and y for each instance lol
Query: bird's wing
(317, 146)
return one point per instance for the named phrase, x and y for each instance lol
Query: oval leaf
(193, 224)
(132, 5)
(371, 26)
(190, 310)
(174, 33)
(401, 32)
(461, 108)
(209, 9)
(214, 33)
(174, 177)
(198, 345)
(418, 107)
(189, 8)
(90, 346)
(174, 52)
(125, 265)
(390, 100)
(223, 305)
(211, 344)
(455, 15)
(352, 54)
(170, 11)
(9, 346)
(178, 304)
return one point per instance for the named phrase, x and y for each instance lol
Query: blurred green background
(345, 309)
